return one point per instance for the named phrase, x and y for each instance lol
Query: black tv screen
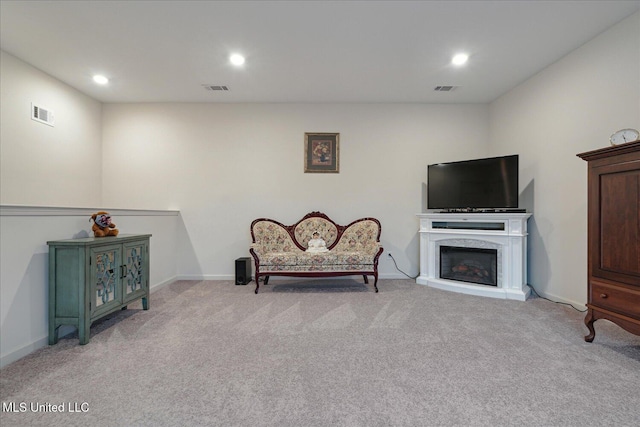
(476, 184)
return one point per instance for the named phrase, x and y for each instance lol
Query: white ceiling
(300, 51)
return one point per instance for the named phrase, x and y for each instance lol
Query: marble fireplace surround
(505, 232)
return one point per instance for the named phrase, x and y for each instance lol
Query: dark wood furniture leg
(366, 279)
(266, 282)
(588, 321)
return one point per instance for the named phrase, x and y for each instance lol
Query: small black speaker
(243, 271)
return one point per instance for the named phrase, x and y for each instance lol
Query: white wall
(39, 164)
(570, 107)
(225, 165)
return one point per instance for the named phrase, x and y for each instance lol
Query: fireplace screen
(474, 265)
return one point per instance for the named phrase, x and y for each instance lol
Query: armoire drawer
(616, 298)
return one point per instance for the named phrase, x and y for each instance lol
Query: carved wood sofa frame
(280, 250)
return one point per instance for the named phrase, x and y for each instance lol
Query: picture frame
(321, 152)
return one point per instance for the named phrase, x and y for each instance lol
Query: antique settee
(280, 250)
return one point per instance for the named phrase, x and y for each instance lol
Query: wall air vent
(445, 88)
(216, 87)
(42, 115)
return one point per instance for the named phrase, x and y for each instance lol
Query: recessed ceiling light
(101, 80)
(460, 59)
(236, 59)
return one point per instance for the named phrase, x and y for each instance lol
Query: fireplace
(481, 254)
(472, 265)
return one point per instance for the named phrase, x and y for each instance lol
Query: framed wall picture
(321, 152)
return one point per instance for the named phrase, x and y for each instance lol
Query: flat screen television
(480, 184)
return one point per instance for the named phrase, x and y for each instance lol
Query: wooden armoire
(614, 236)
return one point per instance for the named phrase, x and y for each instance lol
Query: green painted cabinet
(92, 277)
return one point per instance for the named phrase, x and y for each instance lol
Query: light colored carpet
(333, 353)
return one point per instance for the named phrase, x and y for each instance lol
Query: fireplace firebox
(472, 265)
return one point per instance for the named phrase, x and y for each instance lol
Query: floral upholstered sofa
(280, 250)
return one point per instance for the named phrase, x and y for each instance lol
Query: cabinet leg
(53, 334)
(84, 332)
(588, 321)
(145, 303)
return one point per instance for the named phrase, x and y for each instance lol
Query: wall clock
(624, 135)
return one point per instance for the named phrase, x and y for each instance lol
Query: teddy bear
(102, 225)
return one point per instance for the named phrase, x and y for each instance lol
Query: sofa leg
(266, 280)
(375, 282)
(366, 279)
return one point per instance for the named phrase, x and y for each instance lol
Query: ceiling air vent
(445, 88)
(216, 87)
(42, 115)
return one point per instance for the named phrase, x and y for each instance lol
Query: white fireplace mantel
(505, 231)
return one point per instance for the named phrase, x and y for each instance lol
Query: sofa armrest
(257, 249)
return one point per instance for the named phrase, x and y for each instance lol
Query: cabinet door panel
(106, 270)
(615, 227)
(620, 222)
(135, 275)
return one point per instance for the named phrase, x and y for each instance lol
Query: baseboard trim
(206, 277)
(162, 284)
(395, 276)
(556, 298)
(23, 351)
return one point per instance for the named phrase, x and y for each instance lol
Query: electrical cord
(394, 262)
(556, 302)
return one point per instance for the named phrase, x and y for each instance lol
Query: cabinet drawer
(616, 298)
